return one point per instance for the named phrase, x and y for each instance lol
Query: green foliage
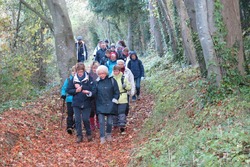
(182, 131)
(24, 57)
(232, 80)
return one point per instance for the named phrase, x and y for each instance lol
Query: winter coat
(123, 91)
(136, 67)
(93, 75)
(81, 52)
(69, 98)
(130, 77)
(100, 54)
(104, 60)
(79, 98)
(107, 95)
(110, 64)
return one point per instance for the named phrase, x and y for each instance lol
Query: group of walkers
(99, 97)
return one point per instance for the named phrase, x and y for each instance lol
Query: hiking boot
(109, 137)
(138, 97)
(89, 138)
(103, 140)
(134, 98)
(70, 131)
(79, 139)
(122, 129)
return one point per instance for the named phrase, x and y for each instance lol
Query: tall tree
(64, 39)
(231, 19)
(154, 28)
(170, 26)
(61, 27)
(186, 33)
(204, 21)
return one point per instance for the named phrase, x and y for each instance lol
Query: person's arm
(64, 89)
(142, 69)
(71, 88)
(127, 84)
(86, 51)
(132, 82)
(116, 92)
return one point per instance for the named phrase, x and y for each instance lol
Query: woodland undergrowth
(188, 127)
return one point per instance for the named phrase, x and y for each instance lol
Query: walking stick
(63, 109)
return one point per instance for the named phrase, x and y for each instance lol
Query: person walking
(81, 88)
(136, 66)
(68, 98)
(120, 118)
(129, 75)
(81, 50)
(107, 95)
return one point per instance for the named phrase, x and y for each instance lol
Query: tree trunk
(130, 33)
(163, 24)
(64, 39)
(186, 33)
(231, 18)
(191, 13)
(156, 33)
(142, 39)
(170, 27)
(202, 16)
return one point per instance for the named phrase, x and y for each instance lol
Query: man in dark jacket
(101, 53)
(136, 67)
(81, 50)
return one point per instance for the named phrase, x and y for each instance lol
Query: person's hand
(63, 97)
(85, 91)
(115, 101)
(124, 86)
(79, 89)
(142, 78)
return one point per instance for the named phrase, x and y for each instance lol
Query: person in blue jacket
(68, 98)
(136, 67)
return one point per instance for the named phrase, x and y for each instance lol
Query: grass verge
(184, 131)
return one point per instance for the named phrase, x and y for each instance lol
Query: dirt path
(33, 137)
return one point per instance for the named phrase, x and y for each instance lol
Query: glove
(115, 101)
(142, 78)
(124, 86)
(63, 97)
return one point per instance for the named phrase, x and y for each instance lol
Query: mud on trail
(32, 136)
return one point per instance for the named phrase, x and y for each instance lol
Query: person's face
(113, 57)
(79, 41)
(102, 74)
(133, 57)
(80, 73)
(125, 52)
(107, 54)
(120, 64)
(94, 69)
(112, 48)
(116, 72)
(73, 73)
(103, 45)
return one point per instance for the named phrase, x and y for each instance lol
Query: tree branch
(48, 22)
